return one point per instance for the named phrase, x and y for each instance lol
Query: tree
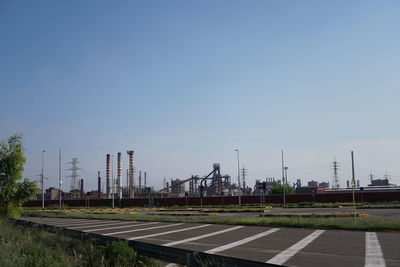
(13, 191)
(277, 189)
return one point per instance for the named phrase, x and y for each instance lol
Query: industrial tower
(75, 183)
(335, 182)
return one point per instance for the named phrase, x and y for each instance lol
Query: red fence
(226, 200)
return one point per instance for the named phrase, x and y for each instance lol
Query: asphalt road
(284, 246)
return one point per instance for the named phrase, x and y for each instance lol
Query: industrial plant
(214, 184)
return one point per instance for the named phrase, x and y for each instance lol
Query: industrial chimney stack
(98, 184)
(108, 174)
(119, 179)
(131, 170)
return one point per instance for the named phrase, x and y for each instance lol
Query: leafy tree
(13, 191)
(277, 189)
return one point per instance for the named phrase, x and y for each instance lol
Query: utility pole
(59, 177)
(112, 180)
(353, 183)
(283, 181)
(42, 179)
(240, 191)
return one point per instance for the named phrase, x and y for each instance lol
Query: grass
(20, 246)
(315, 215)
(364, 224)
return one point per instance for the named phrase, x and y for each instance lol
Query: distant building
(51, 193)
(324, 184)
(177, 187)
(379, 182)
(313, 183)
(310, 190)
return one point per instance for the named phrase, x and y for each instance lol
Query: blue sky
(185, 83)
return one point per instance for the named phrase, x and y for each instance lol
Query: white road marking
(373, 251)
(168, 232)
(117, 227)
(63, 221)
(107, 224)
(200, 237)
(143, 229)
(241, 242)
(285, 255)
(82, 224)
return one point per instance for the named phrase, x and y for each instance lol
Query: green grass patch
(315, 215)
(26, 246)
(365, 224)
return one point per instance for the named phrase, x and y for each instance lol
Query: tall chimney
(82, 192)
(140, 179)
(98, 184)
(145, 179)
(119, 179)
(131, 175)
(108, 175)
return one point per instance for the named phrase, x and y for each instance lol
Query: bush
(119, 253)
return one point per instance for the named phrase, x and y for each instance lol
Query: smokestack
(108, 174)
(145, 179)
(131, 174)
(140, 179)
(82, 192)
(119, 179)
(99, 184)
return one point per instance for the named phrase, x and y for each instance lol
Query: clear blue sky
(184, 83)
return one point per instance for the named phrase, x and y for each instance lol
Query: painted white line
(54, 220)
(143, 229)
(62, 224)
(168, 232)
(285, 255)
(70, 221)
(373, 251)
(117, 227)
(106, 224)
(85, 223)
(242, 241)
(200, 236)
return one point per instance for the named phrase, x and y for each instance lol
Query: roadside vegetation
(362, 223)
(21, 246)
(14, 190)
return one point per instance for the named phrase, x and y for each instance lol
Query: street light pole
(112, 180)
(353, 183)
(283, 181)
(240, 191)
(42, 178)
(59, 176)
(284, 185)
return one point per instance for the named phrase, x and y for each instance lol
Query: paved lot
(285, 246)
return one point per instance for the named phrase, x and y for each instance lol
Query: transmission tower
(335, 182)
(75, 186)
(244, 173)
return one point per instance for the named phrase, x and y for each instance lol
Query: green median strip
(314, 215)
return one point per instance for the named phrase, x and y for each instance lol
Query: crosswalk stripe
(285, 255)
(168, 232)
(118, 227)
(143, 229)
(200, 236)
(373, 251)
(242, 241)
